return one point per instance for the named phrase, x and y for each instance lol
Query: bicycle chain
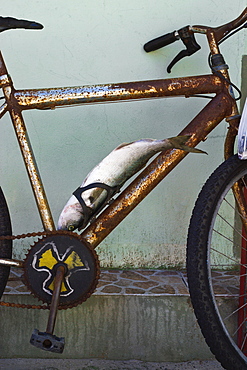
(34, 234)
(29, 235)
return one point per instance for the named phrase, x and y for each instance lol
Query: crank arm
(46, 340)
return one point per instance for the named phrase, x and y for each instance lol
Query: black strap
(87, 211)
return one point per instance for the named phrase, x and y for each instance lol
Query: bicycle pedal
(47, 342)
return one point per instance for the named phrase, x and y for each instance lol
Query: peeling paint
(50, 98)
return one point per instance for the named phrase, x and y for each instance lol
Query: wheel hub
(80, 261)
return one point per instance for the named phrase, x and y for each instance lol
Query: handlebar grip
(160, 42)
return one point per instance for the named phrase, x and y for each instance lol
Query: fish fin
(122, 145)
(132, 142)
(178, 142)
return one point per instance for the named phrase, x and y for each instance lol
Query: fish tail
(178, 142)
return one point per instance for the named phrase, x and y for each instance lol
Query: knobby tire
(5, 245)
(214, 265)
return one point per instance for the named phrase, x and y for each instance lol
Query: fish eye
(71, 227)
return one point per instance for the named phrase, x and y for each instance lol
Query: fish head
(74, 216)
(71, 217)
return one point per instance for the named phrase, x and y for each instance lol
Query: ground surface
(69, 364)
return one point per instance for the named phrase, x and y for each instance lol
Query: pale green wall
(97, 41)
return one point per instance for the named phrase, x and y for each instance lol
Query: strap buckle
(89, 214)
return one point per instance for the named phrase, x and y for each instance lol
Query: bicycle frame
(221, 106)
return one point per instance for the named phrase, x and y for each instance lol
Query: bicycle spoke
(225, 255)
(232, 227)
(236, 311)
(244, 342)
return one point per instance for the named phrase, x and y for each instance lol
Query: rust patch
(50, 98)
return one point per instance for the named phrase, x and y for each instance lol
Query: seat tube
(26, 149)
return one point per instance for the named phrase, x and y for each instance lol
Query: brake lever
(181, 55)
(188, 38)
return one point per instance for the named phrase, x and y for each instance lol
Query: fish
(114, 170)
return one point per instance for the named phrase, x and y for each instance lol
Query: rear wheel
(5, 245)
(217, 264)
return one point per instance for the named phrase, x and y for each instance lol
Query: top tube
(51, 98)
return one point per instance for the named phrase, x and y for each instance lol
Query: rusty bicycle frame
(222, 106)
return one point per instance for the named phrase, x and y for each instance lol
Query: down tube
(198, 128)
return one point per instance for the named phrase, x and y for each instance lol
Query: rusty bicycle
(62, 268)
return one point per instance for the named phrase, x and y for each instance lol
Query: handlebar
(186, 34)
(7, 23)
(223, 30)
(161, 41)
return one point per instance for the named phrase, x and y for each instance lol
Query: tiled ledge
(141, 282)
(144, 282)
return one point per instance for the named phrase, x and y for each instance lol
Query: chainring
(80, 261)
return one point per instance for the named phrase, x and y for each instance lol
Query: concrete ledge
(110, 327)
(141, 315)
